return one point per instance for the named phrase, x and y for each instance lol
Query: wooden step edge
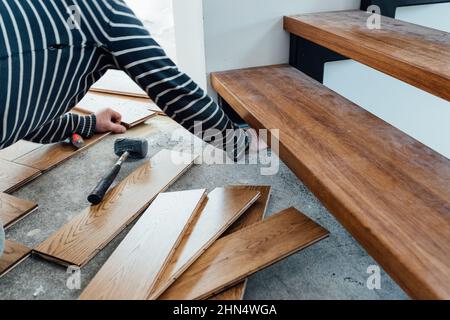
(414, 75)
(396, 268)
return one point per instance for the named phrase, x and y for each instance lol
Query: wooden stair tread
(390, 191)
(414, 54)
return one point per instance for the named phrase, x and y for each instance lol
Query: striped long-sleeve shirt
(52, 51)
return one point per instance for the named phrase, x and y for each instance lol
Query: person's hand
(109, 120)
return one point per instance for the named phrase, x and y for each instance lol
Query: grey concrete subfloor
(332, 269)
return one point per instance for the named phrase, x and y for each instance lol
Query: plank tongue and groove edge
(14, 253)
(13, 176)
(80, 240)
(13, 209)
(224, 206)
(388, 190)
(414, 54)
(49, 156)
(232, 258)
(132, 270)
(253, 215)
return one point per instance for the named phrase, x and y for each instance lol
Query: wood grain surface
(18, 149)
(390, 191)
(253, 215)
(79, 240)
(14, 253)
(414, 54)
(133, 112)
(13, 209)
(13, 175)
(232, 258)
(223, 207)
(49, 156)
(133, 269)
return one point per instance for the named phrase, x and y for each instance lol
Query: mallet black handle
(100, 190)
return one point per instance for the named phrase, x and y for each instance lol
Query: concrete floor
(332, 269)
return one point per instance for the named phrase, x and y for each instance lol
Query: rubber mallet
(125, 149)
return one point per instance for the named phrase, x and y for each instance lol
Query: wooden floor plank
(253, 215)
(415, 54)
(388, 190)
(14, 253)
(133, 269)
(13, 175)
(79, 240)
(18, 149)
(238, 255)
(133, 112)
(13, 209)
(51, 155)
(223, 207)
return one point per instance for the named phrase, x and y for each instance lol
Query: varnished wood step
(414, 54)
(390, 191)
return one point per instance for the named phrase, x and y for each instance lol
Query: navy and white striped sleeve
(63, 127)
(140, 56)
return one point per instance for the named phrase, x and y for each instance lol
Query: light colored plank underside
(18, 149)
(222, 208)
(133, 112)
(415, 54)
(132, 270)
(389, 190)
(13, 254)
(253, 215)
(79, 240)
(13, 175)
(13, 209)
(49, 156)
(118, 82)
(231, 259)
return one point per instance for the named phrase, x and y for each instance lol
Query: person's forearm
(62, 128)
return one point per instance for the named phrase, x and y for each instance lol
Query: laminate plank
(415, 54)
(13, 209)
(18, 149)
(13, 175)
(388, 190)
(231, 259)
(224, 206)
(118, 82)
(51, 155)
(133, 269)
(79, 240)
(105, 99)
(253, 215)
(133, 111)
(14, 253)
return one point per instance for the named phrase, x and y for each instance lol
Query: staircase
(391, 192)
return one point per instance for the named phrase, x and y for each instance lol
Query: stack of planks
(186, 244)
(174, 251)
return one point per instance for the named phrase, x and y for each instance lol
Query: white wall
(245, 33)
(189, 37)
